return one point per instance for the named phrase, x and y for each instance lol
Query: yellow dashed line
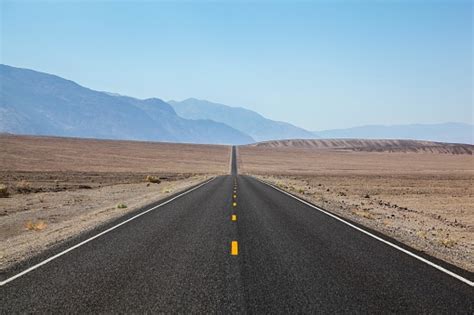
(234, 204)
(234, 250)
(234, 217)
(235, 196)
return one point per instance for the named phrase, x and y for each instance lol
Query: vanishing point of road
(234, 245)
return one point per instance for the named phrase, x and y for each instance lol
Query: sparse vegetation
(121, 206)
(23, 187)
(153, 179)
(363, 213)
(447, 242)
(3, 191)
(421, 234)
(35, 225)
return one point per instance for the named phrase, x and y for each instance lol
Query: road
(289, 257)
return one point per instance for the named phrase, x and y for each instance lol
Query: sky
(317, 64)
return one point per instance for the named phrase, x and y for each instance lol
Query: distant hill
(37, 103)
(447, 132)
(244, 120)
(406, 146)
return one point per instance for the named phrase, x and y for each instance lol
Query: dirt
(24, 182)
(31, 223)
(29, 153)
(58, 188)
(424, 200)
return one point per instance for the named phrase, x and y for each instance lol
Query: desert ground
(420, 194)
(55, 188)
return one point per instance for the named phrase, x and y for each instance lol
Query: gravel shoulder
(421, 198)
(433, 215)
(33, 222)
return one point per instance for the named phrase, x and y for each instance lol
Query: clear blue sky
(319, 65)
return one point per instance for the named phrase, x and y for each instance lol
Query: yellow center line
(234, 250)
(234, 217)
(234, 204)
(235, 196)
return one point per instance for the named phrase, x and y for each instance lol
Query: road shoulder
(64, 217)
(371, 229)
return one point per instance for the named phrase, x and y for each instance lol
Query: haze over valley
(36, 103)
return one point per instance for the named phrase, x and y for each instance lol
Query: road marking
(234, 204)
(426, 261)
(44, 262)
(235, 196)
(234, 217)
(234, 251)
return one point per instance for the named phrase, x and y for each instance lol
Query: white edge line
(426, 261)
(24, 272)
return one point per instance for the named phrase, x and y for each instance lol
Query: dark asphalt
(292, 259)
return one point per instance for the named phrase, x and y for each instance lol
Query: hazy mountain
(447, 132)
(42, 104)
(247, 121)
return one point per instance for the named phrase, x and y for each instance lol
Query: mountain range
(244, 120)
(38, 103)
(447, 132)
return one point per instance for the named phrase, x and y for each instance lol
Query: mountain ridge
(450, 132)
(254, 124)
(38, 103)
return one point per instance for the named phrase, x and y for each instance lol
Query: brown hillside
(364, 145)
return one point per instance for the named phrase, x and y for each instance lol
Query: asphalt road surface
(234, 245)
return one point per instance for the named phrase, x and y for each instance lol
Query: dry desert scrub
(35, 225)
(23, 187)
(3, 191)
(153, 179)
